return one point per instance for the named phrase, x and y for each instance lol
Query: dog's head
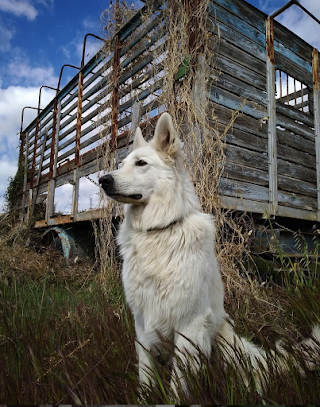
(147, 167)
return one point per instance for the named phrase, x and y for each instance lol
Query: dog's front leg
(197, 334)
(144, 344)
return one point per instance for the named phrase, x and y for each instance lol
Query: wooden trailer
(264, 70)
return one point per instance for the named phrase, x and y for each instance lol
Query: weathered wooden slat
(256, 127)
(292, 41)
(238, 71)
(244, 205)
(239, 56)
(136, 20)
(295, 114)
(255, 17)
(296, 171)
(220, 30)
(244, 139)
(146, 44)
(148, 74)
(258, 177)
(154, 104)
(296, 213)
(296, 71)
(239, 88)
(234, 102)
(259, 161)
(295, 127)
(244, 190)
(156, 21)
(296, 201)
(288, 46)
(246, 157)
(253, 142)
(261, 207)
(296, 156)
(223, 115)
(296, 186)
(142, 95)
(217, 13)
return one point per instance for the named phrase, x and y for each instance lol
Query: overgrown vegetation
(12, 195)
(66, 336)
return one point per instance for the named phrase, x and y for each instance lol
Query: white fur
(170, 273)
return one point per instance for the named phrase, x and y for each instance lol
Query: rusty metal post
(79, 115)
(53, 137)
(75, 192)
(272, 127)
(53, 163)
(22, 136)
(115, 94)
(25, 176)
(316, 107)
(34, 152)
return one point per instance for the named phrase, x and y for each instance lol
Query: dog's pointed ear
(165, 137)
(139, 141)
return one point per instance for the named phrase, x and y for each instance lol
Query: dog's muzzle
(108, 185)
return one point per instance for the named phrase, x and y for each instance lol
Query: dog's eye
(141, 163)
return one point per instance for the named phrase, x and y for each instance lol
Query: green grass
(66, 336)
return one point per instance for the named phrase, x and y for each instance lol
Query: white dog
(170, 274)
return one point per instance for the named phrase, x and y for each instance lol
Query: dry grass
(65, 338)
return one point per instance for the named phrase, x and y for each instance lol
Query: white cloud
(6, 35)
(19, 8)
(91, 23)
(12, 100)
(65, 50)
(296, 20)
(21, 72)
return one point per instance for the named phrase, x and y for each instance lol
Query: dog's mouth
(116, 195)
(124, 198)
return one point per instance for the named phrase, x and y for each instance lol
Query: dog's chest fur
(164, 271)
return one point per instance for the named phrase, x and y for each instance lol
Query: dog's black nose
(106, 181)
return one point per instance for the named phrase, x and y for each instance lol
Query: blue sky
(38, 36)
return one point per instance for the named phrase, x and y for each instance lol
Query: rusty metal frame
(272, 130)
(75, 190)
(292, 3)
(22, 136)
(316, 106)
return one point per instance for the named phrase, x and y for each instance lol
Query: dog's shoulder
(203, 222)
